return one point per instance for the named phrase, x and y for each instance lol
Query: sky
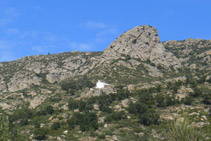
(35, 27)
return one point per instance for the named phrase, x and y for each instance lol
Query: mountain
(136, 62)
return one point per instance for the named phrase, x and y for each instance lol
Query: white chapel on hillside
(101, 85)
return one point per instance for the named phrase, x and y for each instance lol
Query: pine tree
(4, 127)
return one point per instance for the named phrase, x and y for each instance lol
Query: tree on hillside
(4, 127)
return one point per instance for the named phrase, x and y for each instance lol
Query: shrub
(40, 134)
(161, 102)
(60, 118)
(149, 117)
(134, 41)
(207, 99)
(197, 92)
(4, 127)
(146, 115)
(72, 85)
(187, 100)
(46, 110)
(72, 104)
(102, 136)
(23, 122)
(85, 121)
(55, 126)
(115, 116)
(182, 129)
(37, 125)
(49, 110)
(21, 114)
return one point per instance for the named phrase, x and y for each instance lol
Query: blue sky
(33, 27)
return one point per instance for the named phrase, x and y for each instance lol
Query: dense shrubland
(143, 108)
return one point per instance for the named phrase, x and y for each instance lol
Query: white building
(101, 85)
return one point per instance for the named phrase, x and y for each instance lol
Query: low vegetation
(144, 108)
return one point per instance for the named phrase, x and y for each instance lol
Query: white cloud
(5, 51)
(81, 46)
(107, 31)
(206, 37)
(167, 13)
(11, 31)
(39, 48)
(102, 32)
(4, 45)
(10, 11)
(99, 40)
(7, 15)
(6, 56)
(94, 25)
(4, 21)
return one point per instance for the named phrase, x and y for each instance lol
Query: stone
(203, 117)
(96, 107)
(5, 105)
(59, 139)
(114, 137)
(141, 42)
(37, 101)
(66, 132)
(105, 125)
(125, 103)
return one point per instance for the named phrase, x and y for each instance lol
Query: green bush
(40, 134)
(37, 125)
(60, 118)
(55, 126)
(207, 99)
(146, 115)
(45, 111)
(73, 85)
(188, 100)
(4, 127)
(86, 121)
(22, 114)
(101, 136)
(72, 104)
(115, 116)
(182, 129)
(149, 117)
(49, 110)
(197, 92)
(161, 101)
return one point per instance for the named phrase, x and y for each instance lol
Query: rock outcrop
(142, 42)
(137, 55)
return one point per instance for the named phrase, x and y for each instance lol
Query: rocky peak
(140, 42)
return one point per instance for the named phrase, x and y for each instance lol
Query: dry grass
(183, 129)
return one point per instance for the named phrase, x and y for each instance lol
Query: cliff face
(142, 42)
(136, 56)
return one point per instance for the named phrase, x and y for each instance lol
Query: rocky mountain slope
(136, 55)
(140, 45)
(137, 59)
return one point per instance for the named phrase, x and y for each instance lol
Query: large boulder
(141, 42)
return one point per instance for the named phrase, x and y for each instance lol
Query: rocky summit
(140, 44)
(146, 85)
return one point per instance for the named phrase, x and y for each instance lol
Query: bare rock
(114, 137)
(37, 101)
(142, 42)
(4, 105)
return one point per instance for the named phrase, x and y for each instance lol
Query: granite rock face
(142, 42)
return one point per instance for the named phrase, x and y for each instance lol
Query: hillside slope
(44, 96)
